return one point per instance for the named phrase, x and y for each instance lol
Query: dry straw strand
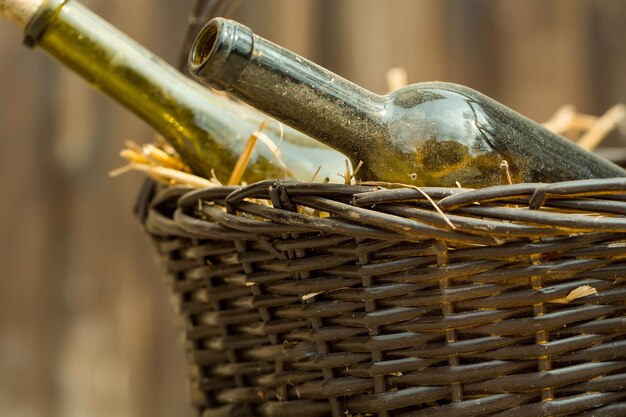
(240, 167)
(603, 126)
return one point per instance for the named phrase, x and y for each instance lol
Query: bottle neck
(172, 104)
(303, 95)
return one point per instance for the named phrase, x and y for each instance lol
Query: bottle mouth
(220, 52)
(203, 45)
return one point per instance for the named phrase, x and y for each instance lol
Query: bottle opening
(220, 52)
(204, 44)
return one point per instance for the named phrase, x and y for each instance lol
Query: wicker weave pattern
(378, 307)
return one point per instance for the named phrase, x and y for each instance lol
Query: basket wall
(333, 300)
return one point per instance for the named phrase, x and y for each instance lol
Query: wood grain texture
(86, 324)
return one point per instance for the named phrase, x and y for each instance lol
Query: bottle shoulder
(440, 112)
(445, 133)
(419, 93)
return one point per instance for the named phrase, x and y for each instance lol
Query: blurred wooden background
(86, 328)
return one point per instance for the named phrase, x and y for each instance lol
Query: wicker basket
(335, 300)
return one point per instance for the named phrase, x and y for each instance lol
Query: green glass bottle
(207, 130)
(425, 134)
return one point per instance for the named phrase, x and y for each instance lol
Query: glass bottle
(207, 130)
(434, 134)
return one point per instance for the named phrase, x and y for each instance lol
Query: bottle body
(434, 134)
(208, 131)
(446, 133)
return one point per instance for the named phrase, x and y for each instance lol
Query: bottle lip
(41, 18)
(204, 44)
(220, 52)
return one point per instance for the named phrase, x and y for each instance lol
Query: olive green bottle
(424, 134)
(207, 130)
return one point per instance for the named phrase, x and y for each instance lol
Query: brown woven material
(356, 300)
